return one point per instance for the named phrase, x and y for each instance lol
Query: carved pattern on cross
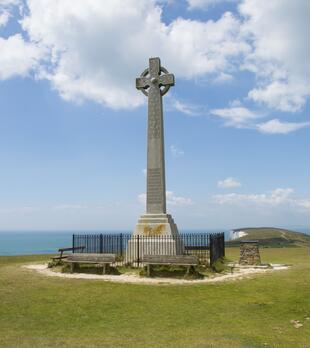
(155, 76)
(154, 82)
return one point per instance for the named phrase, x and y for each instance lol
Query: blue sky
(73, 126)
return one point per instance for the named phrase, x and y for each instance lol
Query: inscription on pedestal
(154, 186)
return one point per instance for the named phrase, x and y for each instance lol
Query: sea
(48, 242)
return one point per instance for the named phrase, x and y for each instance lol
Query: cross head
(155, 76)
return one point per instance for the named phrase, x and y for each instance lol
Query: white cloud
(274, 198)
(275, 126)
(236, 116)
(176, 152)
(144, 171)
(67, 207)
(17, 56)
(4, 17)
(205, 4)
(5, 3)
(280, 59)
(186, 108)
(228, 183)
(19, 210)
(5, 10)
(223, 78)
(304, 203)
(96, 51)
(172, 199)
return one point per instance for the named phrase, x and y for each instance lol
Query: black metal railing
(208, 247)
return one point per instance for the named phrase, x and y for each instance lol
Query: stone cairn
(249, 253)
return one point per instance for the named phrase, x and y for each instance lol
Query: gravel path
(135, 279)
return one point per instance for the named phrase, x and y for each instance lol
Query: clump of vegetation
(178, 272)
(220, 265)
(55, 263)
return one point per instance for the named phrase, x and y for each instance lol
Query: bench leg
(188, 270)
(72, 267)
(104, 268)
(149, 270)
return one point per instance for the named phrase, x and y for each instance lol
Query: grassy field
(39, 311)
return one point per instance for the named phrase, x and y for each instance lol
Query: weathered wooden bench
(188, 261)
(103, 260)
(64, 256)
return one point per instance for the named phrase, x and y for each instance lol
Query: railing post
(101, 243)
(121, 243)
(211, 250)
(138, 250)
(73, 243)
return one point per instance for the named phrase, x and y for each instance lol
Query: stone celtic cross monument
(155, 82)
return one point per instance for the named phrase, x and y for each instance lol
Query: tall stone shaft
(154, 83)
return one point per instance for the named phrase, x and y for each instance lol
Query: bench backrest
(71, 249)
(173, 259)
(92, 257)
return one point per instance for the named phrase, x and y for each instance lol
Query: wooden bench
(178, 260)
(103, 260)
(62, 250)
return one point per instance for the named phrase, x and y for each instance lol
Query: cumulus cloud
(5, 10)
(236, 116)
(275, 126)
(90, 51)
(186, 108)
(17, 57)
(223, 78)
(69, 207)
(228, 183)
(281, 52)
(274, 198)
(94, 51)
(176, 152)
(4, 17)
(172, 199)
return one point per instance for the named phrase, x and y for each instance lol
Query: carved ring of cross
(162, 91)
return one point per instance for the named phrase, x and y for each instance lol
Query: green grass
(40, 311)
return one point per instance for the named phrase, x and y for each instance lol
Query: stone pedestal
(155, 234)
(249, 253)
(152, 225)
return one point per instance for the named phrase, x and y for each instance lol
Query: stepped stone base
(155, 234)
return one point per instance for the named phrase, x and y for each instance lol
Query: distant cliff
(270, 237)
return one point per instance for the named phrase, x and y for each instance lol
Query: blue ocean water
(47, 242)
(29, 242)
